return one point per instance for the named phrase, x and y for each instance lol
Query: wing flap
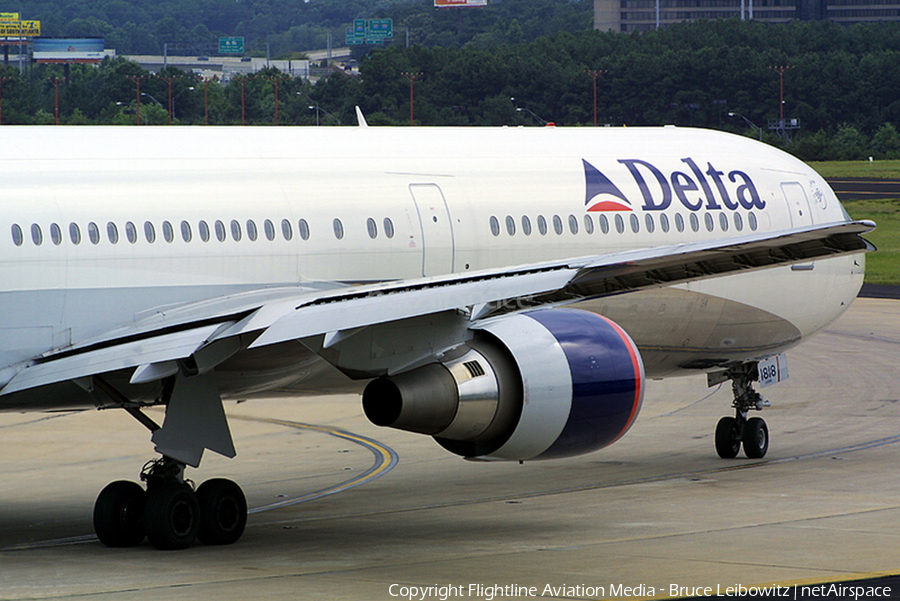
(158, 349)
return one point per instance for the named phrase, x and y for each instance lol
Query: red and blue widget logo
(600, 193)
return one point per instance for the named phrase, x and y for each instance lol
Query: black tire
(171, 516)
(223, 512)
(119, 514)
(756, 438)
(728, 438)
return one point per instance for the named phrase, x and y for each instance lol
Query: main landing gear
(733, 432)
(170, 514)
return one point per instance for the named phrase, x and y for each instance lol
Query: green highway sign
(231, 45)
(375, 31)
(380, 29)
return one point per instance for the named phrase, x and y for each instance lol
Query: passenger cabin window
(679, 222)
(526, 225)
(338, 229)
(388, 227)
(604, 224)
(510, 225)
(112, 232)
(94, 233)
(168, 232)
(588, 224)
(664, 222)
(620, 224)
(372, 228)
(303, 228)
(17, 235)
(56, 234)
(131, 232)
(557, 225)
(710, 222)
(573, 224)
(495, 226)
(286, 230)
(75, 233)
(235, 230)
(252, 232)
(695, 222)
(186, 233)
(204, 230)
(149, 232)
(723, 222)
(751, 219)
(649, 224)
(37, 236)
(738, 222)
(635, 223)
(542, 225)
(220, 231)
(269, 228)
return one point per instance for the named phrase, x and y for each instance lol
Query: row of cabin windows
(634, 223)
(235, 229)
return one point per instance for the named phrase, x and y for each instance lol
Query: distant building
(642, 15)
(223, 67)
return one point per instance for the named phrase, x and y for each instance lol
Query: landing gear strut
(733, 432)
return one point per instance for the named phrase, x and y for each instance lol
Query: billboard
(10, 27)
(68, 50)
(450, 3)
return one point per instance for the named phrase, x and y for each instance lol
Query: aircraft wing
(199, 336)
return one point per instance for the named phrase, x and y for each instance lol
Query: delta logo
(694, 188)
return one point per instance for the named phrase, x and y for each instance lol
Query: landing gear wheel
(756, 438)
(119, 514)
(728, 438)
(171, 516)
(223, 511)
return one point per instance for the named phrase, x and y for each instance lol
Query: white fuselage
(101, 227)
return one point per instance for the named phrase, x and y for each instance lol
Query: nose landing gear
(737, 431)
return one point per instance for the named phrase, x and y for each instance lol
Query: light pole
(781, 71)
(137, 81)
(750, 123)
(177, 96)
(169, 81)
(206, 100)
(411, 76)
(595, 74)
(536, 118)
(55, 81)
(318, 109)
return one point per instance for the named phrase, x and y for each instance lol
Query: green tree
(886, 142)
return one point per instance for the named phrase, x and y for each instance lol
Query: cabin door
(437, 230)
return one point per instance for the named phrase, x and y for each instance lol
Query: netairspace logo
(490, 592)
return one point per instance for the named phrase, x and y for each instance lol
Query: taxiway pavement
(657, 508)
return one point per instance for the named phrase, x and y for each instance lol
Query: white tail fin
(360, 118)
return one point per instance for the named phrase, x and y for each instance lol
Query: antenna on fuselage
(360, 118)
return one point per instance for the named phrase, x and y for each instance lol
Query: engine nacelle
(538, 385)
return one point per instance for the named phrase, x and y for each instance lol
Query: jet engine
(537, 385)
